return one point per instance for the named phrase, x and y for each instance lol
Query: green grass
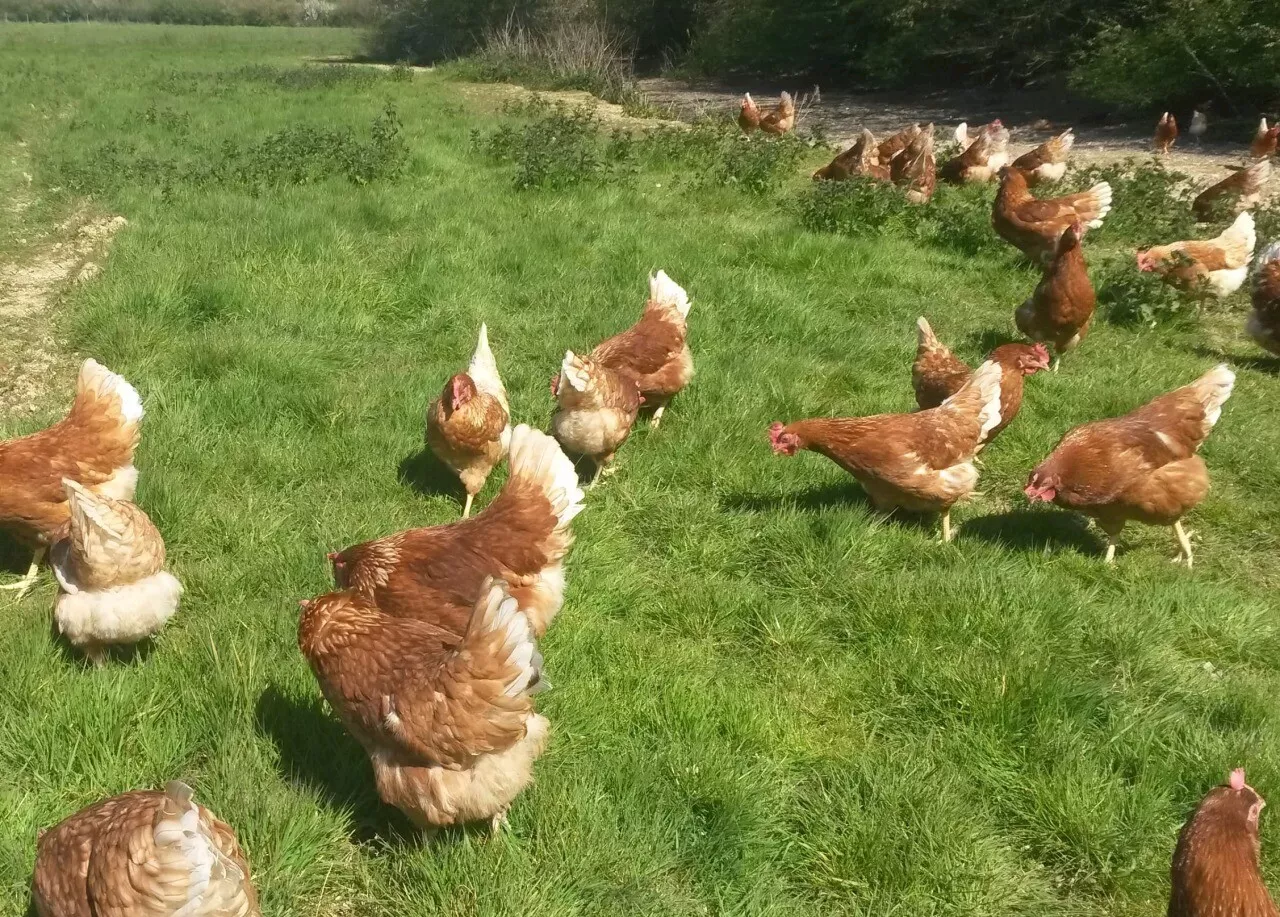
(769, 700)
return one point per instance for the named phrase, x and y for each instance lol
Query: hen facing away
(915, 167)
(1060, 310)
(655, 350)
(781, 119)
(1215, 266)
(469, 425)
(981, 159)
(937, 373)
(920, 462)
(1263, 323)
(1243, 188)
(862, 158)
(435, 574)
(1035, 226)
(92, 446)
(1141, 467)
(596, 407)
(1216, 870)
(143, 854)
(446, 719)
(1048, 161)
(114, 589)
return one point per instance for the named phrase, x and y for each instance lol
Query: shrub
(559, 148)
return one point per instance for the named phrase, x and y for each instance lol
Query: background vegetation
(769, 699)
(1128, 53)
(194, 12)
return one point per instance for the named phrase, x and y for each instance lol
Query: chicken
(114, 589)
(469, 425)
(447, 720)
(1141, 467)
(1199, 126)
(1035, 226)
(782, 119)
(93, 445)
(893, 145)
(1263, 324)
(655, 350)
(1217, 266)
(1166, 133)
(982, 158)
(748, 114)
(915, 167)
(1265, 140)
(522, 536)
(1215, 871)
(937, 373)
(862, 158)
(920, 462)
(962, 136)
(1061, 308)
(1242, 188)
(1048, 161)
(143, 854)
(595, 409)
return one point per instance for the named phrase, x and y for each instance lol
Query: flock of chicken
(427, 650)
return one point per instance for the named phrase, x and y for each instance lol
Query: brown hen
(522, 537)
(596, 407)
(1215, 266)
(1035, 226)
(1048, 161)
(93, 446)
(1141, 467)
(748, 114)
(920, 462)
(860, 159)
(1215, 870)
(1166, 133)
(143, 854)
(1263, 323)
(781, 119)
(915, 167)
(446, 719)
(981, 159)
(1242, 189)
(469, 425)
(1061, 308)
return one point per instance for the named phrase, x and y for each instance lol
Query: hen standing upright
(915, 167)
(920, 462)
(596, 408)
(1215, 870)
(447, 720)
(782, 119)
(1166, 133)
(93, 446)
(748, 114)
(110, 567)
(1265, 140)
(143, 853)
(469, 425)
(522, 537)
(1061, 308)
(1141, 467)
(1048, 161)
(1035, 226)
(1243, 188)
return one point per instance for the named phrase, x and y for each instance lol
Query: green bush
(195, 12)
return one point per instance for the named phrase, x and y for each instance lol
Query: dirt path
(840, 117)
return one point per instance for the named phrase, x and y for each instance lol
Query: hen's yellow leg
(24, 585)
(657, 417)
(1111, 550)
(466, 510)
(946, 527)
(1184, 542)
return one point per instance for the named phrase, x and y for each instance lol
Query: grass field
(768, 699)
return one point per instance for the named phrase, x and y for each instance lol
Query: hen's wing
(936, 374)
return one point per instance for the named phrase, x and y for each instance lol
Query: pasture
(768, 699)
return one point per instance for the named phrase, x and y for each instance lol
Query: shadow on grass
(989, 339)
(1263, 363)
(427, 475)
(838, 493)
(1035, 530)
(317, 752)
(15, 557)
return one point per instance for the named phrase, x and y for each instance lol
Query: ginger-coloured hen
(113, 588)
(748, 115)
(781, 119)
(93, 446)
(596, 407)
(143, 854)
(469, 425)
(1048, 161)
(937, 373)
(1216, 870)
(915, 167)
(446, 719)
(1263, 323)
(894, 144)
(521, 537)
(655, 350)
(1265, 140)
(1243, 189)
(1061, 308)
(862, 158)
(981, 159)
(1141, 467)
(1035, 226)
(1215, 266)
(1166, 133)
(920, 462)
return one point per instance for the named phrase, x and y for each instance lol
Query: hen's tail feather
(576, 371)
(1240, 238)
(666, 292)
(483, 369)
(90, 511)
(537, 460)
(179, 828)
(982, 394)
(499, 631)
(1212, 390)
(925, 337)
(1101, 201)
(96, 384)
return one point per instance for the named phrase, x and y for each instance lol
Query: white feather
(665, 291)
(1103, 192)
(572, 371)
(100, 379)
(537, 457)
(1224, 283)
(483, 370)
(123, 615)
